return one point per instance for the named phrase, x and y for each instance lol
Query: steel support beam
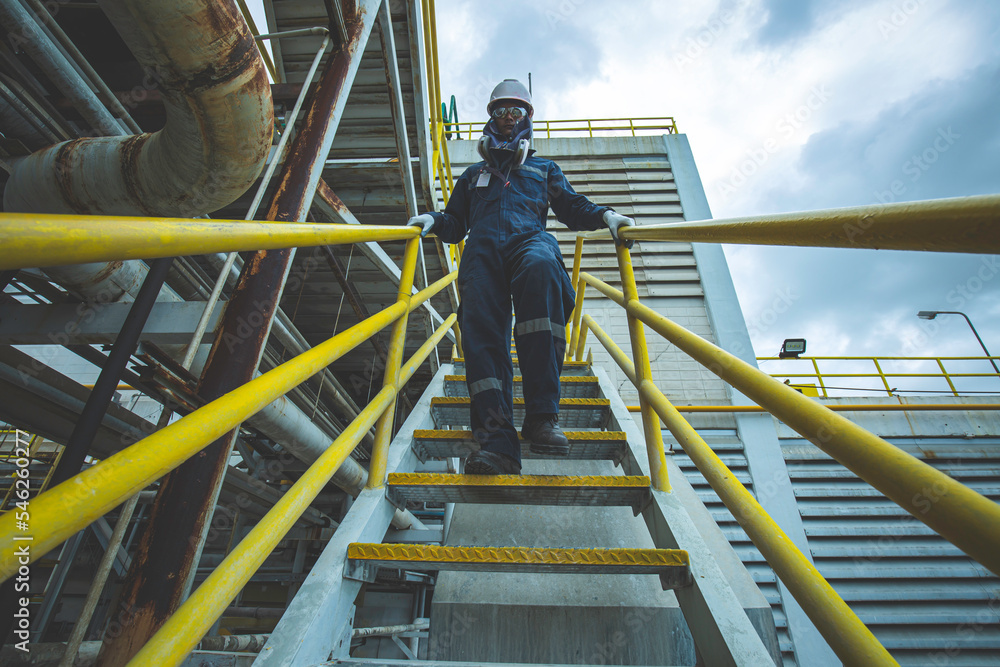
(172, 543)
(76, 324)
(421, 93)
(388, 41)
(332, 209)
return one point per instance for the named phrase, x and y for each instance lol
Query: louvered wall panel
(923, 598)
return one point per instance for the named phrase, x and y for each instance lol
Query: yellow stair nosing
(567, 362)
(526, 481)
(444, 434)
(465, 400)
(492, 555)
(580, 379)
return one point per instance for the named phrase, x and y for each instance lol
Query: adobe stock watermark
(963, 293)
(696, 46)
(562, 12)
(786, 127)
(918, 164)
(782, 302)
(901, 14)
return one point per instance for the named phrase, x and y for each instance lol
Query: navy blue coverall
(509, 255)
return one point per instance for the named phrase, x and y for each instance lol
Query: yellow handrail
(880, 373)
(185, 628)
(80, 500)
(643, 374)
(36, 239)
(961, 224)
(962, 516)
(843, 407)
(849, 638)
(625, 126)
(377, 468)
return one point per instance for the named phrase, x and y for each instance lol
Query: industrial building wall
(926, 601)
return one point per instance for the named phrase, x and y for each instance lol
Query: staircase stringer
(319, 620)
(723, 598)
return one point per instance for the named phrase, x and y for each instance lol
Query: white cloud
(870, 92)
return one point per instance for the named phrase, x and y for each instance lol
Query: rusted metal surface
(218, 131)
(301, 172)
(330, 198)
(169, 551)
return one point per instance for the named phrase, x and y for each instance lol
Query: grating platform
(569, 367)
(574, 413)
(586, 490)
(570, 386)
(583, 445)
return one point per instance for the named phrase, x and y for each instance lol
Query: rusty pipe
(217, 136)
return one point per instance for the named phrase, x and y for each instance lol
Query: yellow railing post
(458, 340)
(573, 332)
(885, 382)
(947, 377)
(819, 378)
(581, 289)
(581, 344)
(383, 429)
(650, 420)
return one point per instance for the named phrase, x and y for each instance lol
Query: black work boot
(490, 463)
(545, 436)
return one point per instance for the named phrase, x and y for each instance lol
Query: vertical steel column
(78, 445)
(383, 428)
(644, 373)
(398, 112)
(168, 554)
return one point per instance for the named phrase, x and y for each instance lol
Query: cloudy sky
(788, 105)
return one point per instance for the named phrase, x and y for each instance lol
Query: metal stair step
(574, 413)
(383, 662)
(570, 367)
(584, 490)
(583, 445)
(570, 386)
(671, 564)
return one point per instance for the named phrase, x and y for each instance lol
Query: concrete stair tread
(583, 445)
(583, 490)
(571, 386)
(574, 413)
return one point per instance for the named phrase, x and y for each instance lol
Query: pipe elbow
(218, 133)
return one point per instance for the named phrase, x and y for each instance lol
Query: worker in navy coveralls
(501, 204)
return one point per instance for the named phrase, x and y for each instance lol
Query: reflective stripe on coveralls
(510, 257)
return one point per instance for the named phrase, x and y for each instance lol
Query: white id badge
(484, 180)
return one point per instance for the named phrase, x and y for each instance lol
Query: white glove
(616, 221)
(425, 221)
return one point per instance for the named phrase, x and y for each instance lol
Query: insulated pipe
(217, 134)
(25, 32)
(216, 138)
(80, 61)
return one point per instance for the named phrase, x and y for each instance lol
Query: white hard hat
(510, 89)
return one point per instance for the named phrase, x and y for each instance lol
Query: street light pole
(931, 314)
